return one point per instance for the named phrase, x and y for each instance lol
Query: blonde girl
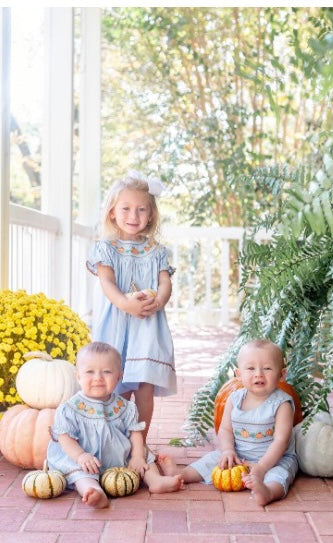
(128, 261)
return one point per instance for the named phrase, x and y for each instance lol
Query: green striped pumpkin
(43, 483)
(119, 481)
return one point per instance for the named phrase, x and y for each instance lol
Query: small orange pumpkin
(229, 480)
(234, 384)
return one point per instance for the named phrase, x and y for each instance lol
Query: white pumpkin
(44, 483)
(314, 448)
(45, 382)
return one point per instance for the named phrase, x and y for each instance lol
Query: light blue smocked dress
(254, 432)
(101, 428)
(145, 345)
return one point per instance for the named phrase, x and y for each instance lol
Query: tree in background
(203, 96)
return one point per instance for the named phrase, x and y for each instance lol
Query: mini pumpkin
(44, 483)
(314, 446)
(234, 384)
(229, 480)
(25, 435)
(119, 482)
(45, 382)
(148, 292)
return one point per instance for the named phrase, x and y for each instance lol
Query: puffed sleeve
(130, 419)
(164, 261)
(64, 422)
(101, 254)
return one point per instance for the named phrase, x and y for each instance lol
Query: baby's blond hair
(132, 181)
(99, 347)
(264, 344)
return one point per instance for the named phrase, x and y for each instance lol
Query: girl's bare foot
(95, 498)
(263, 494)
(166, 483)
(167, 465)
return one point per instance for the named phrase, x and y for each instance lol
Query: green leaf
(328, 161)
(327, 208)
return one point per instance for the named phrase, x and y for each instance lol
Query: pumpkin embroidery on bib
(132, 249)
(114, 407)
(246, 434)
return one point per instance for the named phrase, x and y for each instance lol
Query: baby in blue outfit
(256, 428)
(97, 429)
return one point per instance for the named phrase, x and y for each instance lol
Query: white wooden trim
(4, 144)
(25, 216)
(90, 117)
(58, 140)
(225, 280)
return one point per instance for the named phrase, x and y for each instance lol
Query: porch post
(4, 144)
(90, 117)
(58, 141)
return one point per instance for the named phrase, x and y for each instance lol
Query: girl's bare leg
(144, 399)
(263, 493)
(158, 484)
(92, 493)
(169, 467)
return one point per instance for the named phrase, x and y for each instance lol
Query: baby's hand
(228, 459)
(88, 462)
(138, 463)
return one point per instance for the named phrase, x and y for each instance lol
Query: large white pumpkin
(314, 448)
(45, 382)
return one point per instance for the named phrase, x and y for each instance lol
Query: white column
(225, 270)
(90, 117)
(58, 140)
(4, 143)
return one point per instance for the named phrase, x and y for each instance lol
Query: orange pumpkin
(229, 480)
(25, 434)
(234, 384)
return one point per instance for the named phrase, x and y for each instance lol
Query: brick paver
(197, 514)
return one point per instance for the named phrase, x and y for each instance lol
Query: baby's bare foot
(261, 492)
(166, 483)
(167, 464)
(95, 498)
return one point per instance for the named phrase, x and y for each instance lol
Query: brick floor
(198, 514)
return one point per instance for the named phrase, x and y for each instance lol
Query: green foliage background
(288, 297)
(204, 96)
(232, 107)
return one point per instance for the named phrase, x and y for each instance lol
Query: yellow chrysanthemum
(33, 322)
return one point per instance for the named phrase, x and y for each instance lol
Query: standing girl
(127, 261)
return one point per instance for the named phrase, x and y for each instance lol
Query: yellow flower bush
(33, 322)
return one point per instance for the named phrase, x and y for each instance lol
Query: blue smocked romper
(253, 432)
(102, 428)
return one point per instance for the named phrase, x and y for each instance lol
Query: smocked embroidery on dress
(132, 249)
(89, 410)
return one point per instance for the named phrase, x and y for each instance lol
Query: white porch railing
(205, 285)
(32, 250)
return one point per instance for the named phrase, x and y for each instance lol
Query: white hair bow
(155, 185)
